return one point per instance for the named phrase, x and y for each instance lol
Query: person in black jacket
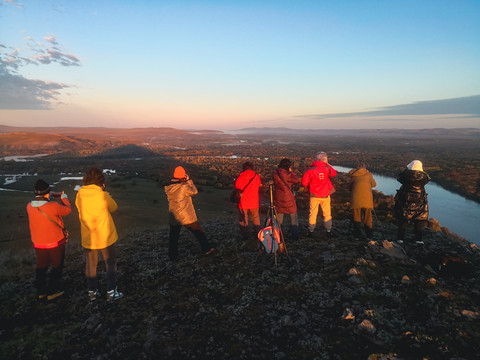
(411, 203)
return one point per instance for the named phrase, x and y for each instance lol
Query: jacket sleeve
(112, 205)
(373, 182)
(292, 178)
(65, 208)
(306, 179)
(332, 172)
(192, 190)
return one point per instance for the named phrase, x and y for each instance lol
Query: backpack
(270, 237)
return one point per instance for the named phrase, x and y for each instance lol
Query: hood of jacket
(414, 176)
(89, 191)
(318, 163)
(358, 172)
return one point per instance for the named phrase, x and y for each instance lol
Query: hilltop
(330, 299)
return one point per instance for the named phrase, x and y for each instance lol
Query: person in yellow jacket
(361, 184)
(95, 206)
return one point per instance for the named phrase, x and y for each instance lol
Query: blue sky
(232, 64)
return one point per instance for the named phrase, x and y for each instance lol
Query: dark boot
(41, 281)
(368, 232)
(295, 232)
(357, 232)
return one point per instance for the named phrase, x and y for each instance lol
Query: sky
(198, 64)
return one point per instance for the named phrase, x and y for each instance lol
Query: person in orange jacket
(46, 228)
(248, 183)
(99, 234)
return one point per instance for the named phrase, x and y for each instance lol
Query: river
(461, 216)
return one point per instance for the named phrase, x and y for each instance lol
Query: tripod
(272, 234)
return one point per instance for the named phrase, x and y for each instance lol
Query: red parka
(249, 199)
(284, 197)
(317, 179)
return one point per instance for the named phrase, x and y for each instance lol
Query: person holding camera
(317, 181)
(248, 184)
(99, 234)
(284, 179)
(411, 202)
(182, 213)
(47, 232)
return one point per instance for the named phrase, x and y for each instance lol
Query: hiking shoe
(93, 295)
(55, 295)
(210, 251)
(400, 241)
(419, 242)
(114, 295)
(310, 234)
(330, 234)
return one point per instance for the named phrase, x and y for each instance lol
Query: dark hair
(285, 164)
(247, 166)
(94, 176)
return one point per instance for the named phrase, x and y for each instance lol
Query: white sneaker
(114, 295)
(400, 241)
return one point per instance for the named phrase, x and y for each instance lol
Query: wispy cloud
(469, 105)
(20, 93)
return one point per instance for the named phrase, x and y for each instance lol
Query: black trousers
(55, 257)
(402, 226)
(195, 229)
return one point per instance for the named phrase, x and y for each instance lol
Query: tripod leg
(378, 223)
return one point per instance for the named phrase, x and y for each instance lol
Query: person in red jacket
(284, 178)
(46, 228)
(248, 182)
(317, 180)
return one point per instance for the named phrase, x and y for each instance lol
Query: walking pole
(378, 223)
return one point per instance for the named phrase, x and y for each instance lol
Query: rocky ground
(328, 299)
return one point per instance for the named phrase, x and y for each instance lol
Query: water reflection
(459, 215)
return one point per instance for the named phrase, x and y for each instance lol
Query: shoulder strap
(249, 182)
(284, 182)
(49, 218)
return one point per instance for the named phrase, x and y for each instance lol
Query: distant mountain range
(30, 140)
(149, 132)
(438, 132)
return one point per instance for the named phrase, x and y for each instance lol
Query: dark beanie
(41, 187)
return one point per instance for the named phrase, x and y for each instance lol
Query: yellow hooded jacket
(94, 207)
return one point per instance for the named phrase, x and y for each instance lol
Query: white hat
(415, 165)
